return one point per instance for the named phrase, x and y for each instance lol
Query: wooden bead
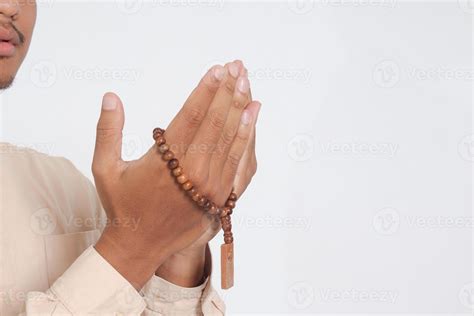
(187, 186)
(230, 204)
(167, 156)
(225, 212)
(158, 130)
(202, 201)
(182, 179)
(196, 197)
(160, 140)
(173, 164)
(207, 206)
(157, 133)
(225, 220)
(233, 197)
(178, 171)
(213, 210)
(163, 148)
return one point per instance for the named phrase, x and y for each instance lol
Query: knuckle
(217, 120)
(227, 137)
(242, 137)
(234, 160)
(98, 171)
(239, 103)
(192, 116)
(229, 86)
(104, 134)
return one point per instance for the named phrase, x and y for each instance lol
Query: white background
(362, 202)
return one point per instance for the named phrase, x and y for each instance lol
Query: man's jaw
(5, 84)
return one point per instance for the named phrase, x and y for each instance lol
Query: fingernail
(218, 73)
(243, 85)
(109, 102)
(244, 72)
(246, 117)
(234, 70)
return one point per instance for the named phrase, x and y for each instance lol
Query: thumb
(108, 146)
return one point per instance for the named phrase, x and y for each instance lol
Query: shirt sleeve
(165, 298)
(90, 286)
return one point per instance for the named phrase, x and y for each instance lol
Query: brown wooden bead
(230, 204)
(196, 197)
(158, 130)
(173, 164)
(228, 240)
(192, 192)
(163, 148)
(187, 185)
(227, 227)
(228, 234)
(207, 206)
(226, 223)
(178, 171)
(202, 201)
(233, 197)
(213, 210)
(167, 156)
(225, 212)
(160, 140)
(182, 179)
(157, 133)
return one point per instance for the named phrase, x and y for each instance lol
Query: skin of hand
(209, 136)
(17, 20)
(187, 267)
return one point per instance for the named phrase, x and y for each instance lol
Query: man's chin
(6, 83)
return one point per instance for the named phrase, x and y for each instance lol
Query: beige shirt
(50, 216)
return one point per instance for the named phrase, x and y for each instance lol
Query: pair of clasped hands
(213, 137)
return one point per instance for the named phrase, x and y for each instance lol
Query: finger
(184, 126)
(240, 101)
(108, 144)
(247, 165)
(208, 134)
(237, 151)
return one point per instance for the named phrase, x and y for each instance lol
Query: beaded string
(185, 183)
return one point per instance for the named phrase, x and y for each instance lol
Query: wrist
(186, 268)
(131, 257)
